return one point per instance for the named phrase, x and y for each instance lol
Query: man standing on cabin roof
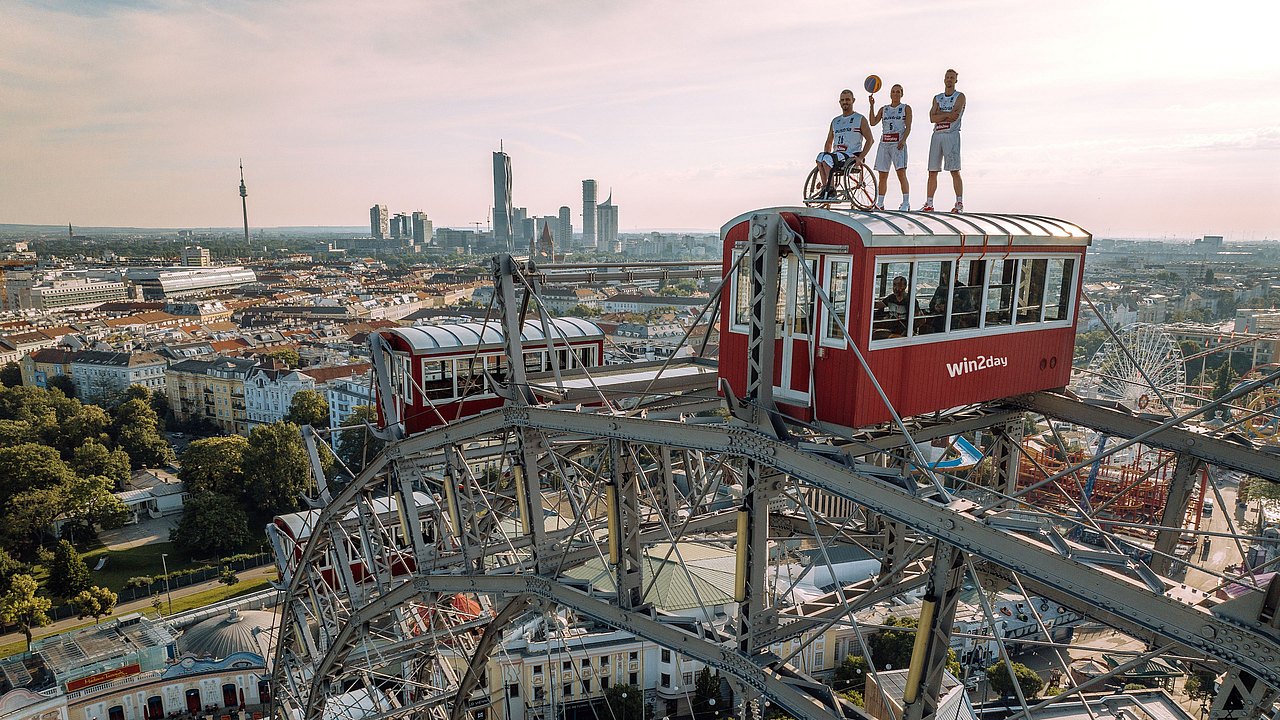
(843, 141)
(893, 144)
(948, 109)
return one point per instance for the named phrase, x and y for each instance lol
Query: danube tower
(244, 208)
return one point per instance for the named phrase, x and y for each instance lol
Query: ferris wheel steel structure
(393, 644)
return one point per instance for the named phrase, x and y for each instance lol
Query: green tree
(68, 574)
(706, 694)
(1028, 680)
(1199, 686)
(1223, 381)
(137, 432)
(160, 403)
(30, 466)
(228, 577)
(30, 514)
(95, 602)
(63, 384)
(852, 672)
(9, 567)
(11, 375)
(277, 470)
(212, 525)
(623, 702)
(136, 392)
(286, 355)
(308, 407)
(581, 310)
(93, 458)
(90, 502)
(215, 465)
(21, 606)
(90, 424)
(359, 446)
(16, 432)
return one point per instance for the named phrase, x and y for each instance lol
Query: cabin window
(437, 379)
(742, 296)
(931, 296)
(533, 361)
(892, 293)
(946, 296)
(1031, 290)
(802, 318)
(780, 311)
(585, 356)
(470, 376)
(837, 288)
(1001, 284)
(966, 294)
(1057, 297)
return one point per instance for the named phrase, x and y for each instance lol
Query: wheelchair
(849, 184)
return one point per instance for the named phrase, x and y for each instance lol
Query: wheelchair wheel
(861, 188)
(812, 186)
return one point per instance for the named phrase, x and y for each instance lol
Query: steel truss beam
(1214, 451)
(726, 659)
(1249, 644)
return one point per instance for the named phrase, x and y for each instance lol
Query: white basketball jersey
(847, 135)
(893, 122)
(947, 103)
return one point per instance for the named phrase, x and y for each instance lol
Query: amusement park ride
(817, 423)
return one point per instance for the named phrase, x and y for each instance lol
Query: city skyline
(140, 119)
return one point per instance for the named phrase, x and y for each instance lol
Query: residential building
(589, 214)
(211, 390)
(102, 377)
(134, 668)
(269, 391)
(379, 222)
(648, 303)
(346, 394)
(195, 256)
(502, 212)
(40, 365)
(71, 293)
(607, 226)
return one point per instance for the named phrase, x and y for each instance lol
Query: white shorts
(831, 158)
(944, 145)
(888, 154)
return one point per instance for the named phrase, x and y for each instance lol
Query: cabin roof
(890, 229)
(431, 338)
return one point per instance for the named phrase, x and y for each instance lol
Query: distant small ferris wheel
(1145, 360)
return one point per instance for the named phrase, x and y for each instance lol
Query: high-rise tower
(502, 199)
(589, 214)
(607, 214)
(379, 222)
(564, 232)
(244, 205)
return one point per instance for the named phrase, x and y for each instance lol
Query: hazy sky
(1130, 118)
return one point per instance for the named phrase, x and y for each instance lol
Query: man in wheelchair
(848, 142)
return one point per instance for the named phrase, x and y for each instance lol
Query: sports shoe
(928, 207)
(959, 208)
(904, 207)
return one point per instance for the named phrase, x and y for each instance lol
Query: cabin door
(795, 319)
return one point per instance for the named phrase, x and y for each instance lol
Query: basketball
(872, 83)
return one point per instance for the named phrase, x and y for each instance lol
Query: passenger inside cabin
(892, 311)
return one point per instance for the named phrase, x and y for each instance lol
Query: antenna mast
(244, 208)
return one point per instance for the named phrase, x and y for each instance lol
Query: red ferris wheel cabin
(947, 310)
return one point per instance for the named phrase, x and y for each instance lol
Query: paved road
(140, 605)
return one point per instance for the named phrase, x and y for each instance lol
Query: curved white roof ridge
(891, 225)
(453, 335)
